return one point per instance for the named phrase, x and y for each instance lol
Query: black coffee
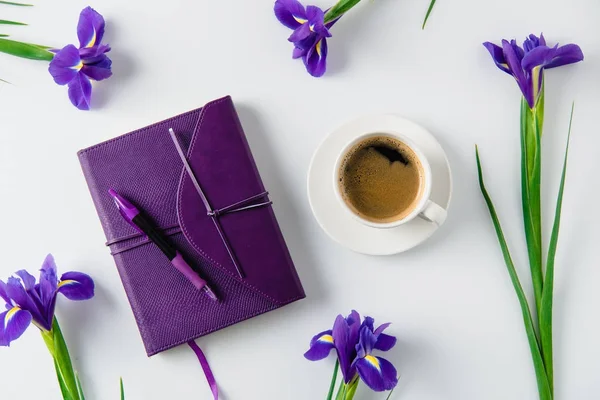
(380, 179)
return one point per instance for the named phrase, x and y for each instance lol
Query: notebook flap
(223, 165)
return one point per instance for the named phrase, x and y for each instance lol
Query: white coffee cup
(425, 208)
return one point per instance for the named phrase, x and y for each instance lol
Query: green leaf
(341, 393)
(10, 3)
(3, 35)
(122, 389)
(79, 388)
(429, 10)
(351, 389)
(540, 108)
(333, 379)
(530, 195)
(534, 346)
(63, 360)
(61, 383)
(547, 298)
(25, 50)
(6, 22)
(347, 391)
(390, 394)
(339, 9)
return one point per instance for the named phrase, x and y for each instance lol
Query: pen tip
(210, 293)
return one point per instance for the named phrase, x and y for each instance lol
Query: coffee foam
(374, 187)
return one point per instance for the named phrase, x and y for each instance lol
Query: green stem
(530, 192)
(534, 346)
(339, 9)
(62, 362)
(333, 379)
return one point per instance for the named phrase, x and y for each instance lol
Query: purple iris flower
(29, 301)
(526, 64)
(354, 343)
(343, 338)
(377, 372)
(75, 67)
(310, 33)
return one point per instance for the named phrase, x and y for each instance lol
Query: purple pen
(136, 219)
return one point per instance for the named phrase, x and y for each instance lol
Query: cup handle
(433, 213)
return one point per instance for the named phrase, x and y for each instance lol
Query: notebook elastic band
(168, 231)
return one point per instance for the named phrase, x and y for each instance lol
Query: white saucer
(338, 223)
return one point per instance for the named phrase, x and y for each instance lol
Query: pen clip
(126, 209)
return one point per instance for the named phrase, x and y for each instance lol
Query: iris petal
(93, 54)
(90, 29)
(345, 346)
(567, 54)
(98, 70)
(353, 321)
(385, 342)
(316, 58)
(300, 33)
(27, 279)
(366, 342)
(513, 60)
(3, 293)
(64, 65)
(354, 317)
(316, 23)
(369, 322)
(48, 276)
(381, 328)
(378, 373)
(320, 346)
(16, 292)
(532, 42)
(498, 56)
(519, 52)
(290, 13)
(76, 286)
(80, 91)
(298, 52)
(12, 325)
(538, 57)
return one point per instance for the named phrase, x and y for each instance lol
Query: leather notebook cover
(145, 167)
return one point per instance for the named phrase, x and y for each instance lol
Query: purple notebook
(236, 245)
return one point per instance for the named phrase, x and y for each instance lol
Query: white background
(460, 333)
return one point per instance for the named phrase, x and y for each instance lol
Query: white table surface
(460, 333)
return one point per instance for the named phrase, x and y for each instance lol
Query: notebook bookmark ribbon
(206, 368)
(242, 205)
